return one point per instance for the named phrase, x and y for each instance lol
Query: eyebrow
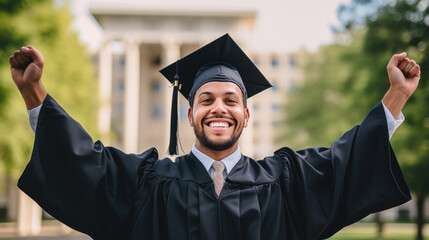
(210, 93)
(204, 93)
(231, 93)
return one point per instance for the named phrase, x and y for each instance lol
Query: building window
(183, 114)
(156, 111)
(274, 88)
(121, 87)
(156, 87)
(403, 215)
(274, 107)
(255, 107)
(292, 61)
(274, 62)
(156, 61)
(275, 124)
(122, 61)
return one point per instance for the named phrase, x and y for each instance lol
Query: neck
(216, 155)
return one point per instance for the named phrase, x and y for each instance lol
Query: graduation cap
(221, 60)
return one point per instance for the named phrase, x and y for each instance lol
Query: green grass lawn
(367, 231)
(371, 236)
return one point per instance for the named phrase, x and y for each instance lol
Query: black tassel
(172, 147)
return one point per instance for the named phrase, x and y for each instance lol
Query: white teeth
(219, 124)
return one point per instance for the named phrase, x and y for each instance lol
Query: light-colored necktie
(217, 176)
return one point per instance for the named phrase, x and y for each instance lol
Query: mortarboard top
(222, 51)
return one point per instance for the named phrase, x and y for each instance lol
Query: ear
(246, 116)
(191, 122)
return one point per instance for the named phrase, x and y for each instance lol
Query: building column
(170, 54)
(12, 200)
(132, 88)
(105, 88)
(29, 220)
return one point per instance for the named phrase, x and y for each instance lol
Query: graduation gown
(308, 194)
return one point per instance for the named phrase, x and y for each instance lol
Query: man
(213, 192)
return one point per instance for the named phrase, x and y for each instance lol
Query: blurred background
(326, 61)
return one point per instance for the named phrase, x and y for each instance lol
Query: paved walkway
(51, 230)
(63, 237)
(54, 230)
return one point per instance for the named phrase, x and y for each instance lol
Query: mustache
(218, 117)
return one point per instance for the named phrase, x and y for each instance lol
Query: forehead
(219, 88)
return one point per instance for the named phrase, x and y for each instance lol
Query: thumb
(396, 59)
(34, 54)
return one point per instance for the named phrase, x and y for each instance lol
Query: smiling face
(218, 116)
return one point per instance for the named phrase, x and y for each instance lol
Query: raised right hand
(26, 67)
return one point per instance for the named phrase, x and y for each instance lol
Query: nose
(218, 107)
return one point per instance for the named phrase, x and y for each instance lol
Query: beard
(216, 144)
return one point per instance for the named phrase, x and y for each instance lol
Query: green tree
(9, 38)
(395, 27)
(354, 71)
(323, 98)
(68, 75)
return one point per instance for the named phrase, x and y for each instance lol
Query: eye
(206, 100)
(230, 101)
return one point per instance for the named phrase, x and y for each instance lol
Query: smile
(219, 124)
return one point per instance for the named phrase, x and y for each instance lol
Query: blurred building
(139, 40)
(267, 112)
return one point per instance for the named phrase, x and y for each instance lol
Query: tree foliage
(321, 109)
(68, 74)
(396, 27)
(354, 70)
(404, 27)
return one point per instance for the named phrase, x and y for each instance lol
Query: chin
(215, 142)
(218, 144)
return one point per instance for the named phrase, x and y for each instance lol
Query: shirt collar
(230, 161)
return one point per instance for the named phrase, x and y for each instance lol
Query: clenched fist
(404, 76)
(26, 66)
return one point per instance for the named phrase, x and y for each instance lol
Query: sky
(282, 25)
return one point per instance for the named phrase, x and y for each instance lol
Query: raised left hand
(404, 74)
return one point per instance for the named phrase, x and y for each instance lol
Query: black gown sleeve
(329, 188)
(85, 185)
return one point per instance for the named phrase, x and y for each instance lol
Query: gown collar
(229, 161)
